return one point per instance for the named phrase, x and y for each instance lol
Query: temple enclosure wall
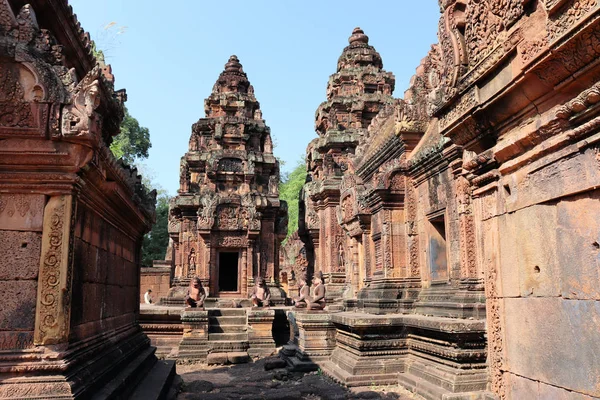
(156, 278)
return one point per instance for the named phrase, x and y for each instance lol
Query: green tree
(156, 241)
(133, 142)
(289, 190)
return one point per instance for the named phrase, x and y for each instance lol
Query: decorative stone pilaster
(53, 311)
(194, 344)
(260, 335)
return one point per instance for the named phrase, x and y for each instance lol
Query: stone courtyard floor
(251, 381)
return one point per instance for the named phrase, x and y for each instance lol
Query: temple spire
(358, 36)
(359, 53)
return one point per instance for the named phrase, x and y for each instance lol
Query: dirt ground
(252, 381)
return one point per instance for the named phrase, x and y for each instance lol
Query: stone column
(244, 273)
(53, 309)
(213, 276)
(250, 264)
(194, 344)
(206, 273)
(260, 335)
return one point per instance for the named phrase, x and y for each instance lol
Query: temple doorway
(228, 271)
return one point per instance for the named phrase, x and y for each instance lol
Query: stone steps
(229, 337)
(217, 328)
(157, 382)
(226, 312)
(127, 378)
(222, 321)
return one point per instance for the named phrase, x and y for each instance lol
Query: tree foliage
(132, 145)
(289, 190)
(156, 241)
(133, 142)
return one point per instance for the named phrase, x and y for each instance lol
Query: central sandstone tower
(227, 221)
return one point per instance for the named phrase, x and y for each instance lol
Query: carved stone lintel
(53, 308)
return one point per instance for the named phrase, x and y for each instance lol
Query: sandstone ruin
(72, 218)
(457, 228)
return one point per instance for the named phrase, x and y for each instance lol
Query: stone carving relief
(79, 118)
(15, 109)
(231, 165)
(312, 219)
(568, 15)
(468, 261)
(238, 241)
(192, 264)
(228, 217)
(206, 210)
(250, 216)
(54, 304)
(347, 209)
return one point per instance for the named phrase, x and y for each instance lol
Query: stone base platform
(164, 328)
(436, 357)
(109, 365)
(214, 335)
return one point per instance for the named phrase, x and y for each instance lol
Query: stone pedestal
(370, 349)
(315, 340)
(447, 357)
(388, 296)
(260, 332)
(163, 327)
(439, 358)
(194, 344)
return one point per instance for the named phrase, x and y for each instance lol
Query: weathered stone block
(539, 346)
(577, 246)
(217, 358)
(18, 299)
(21, 255)
(22, 212)
(521, 388)
(528, 239)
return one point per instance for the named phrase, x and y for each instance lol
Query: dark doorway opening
(228, 272)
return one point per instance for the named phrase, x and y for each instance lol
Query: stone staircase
(227, 336)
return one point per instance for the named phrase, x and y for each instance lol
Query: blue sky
(171, 53)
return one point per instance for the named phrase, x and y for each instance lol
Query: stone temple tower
(227, 221)
(356, 93)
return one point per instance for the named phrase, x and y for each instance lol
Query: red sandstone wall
(546, 252)
(21, 220)
(156, 278)
(105, 277)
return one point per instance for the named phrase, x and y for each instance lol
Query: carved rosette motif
(411, 221)
(495, 336)
(468, 261)
(54, 284)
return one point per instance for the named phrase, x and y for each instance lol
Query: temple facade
(465, 217)
(227, 221)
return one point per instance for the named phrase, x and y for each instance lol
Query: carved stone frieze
(53, 309)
